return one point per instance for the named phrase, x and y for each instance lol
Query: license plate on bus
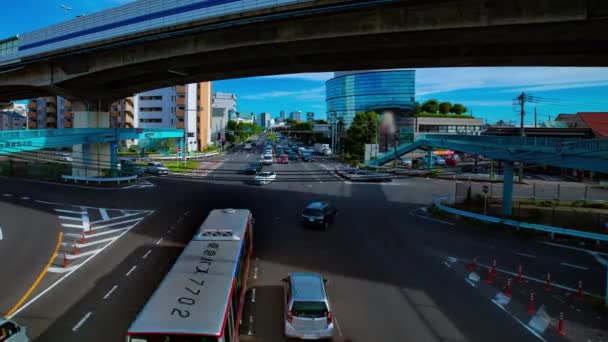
(312, 220)
(310, 336)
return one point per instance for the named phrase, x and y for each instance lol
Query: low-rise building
(12, 120)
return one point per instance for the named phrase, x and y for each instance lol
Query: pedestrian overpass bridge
(582, 154)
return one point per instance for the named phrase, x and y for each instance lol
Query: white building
(219, 121)
(296, 116)
(225, 100)
(12, 120)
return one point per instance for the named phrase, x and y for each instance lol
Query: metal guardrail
(519, 224)
(99, 180)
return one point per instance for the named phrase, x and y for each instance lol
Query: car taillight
(329, 317)
(289, 316)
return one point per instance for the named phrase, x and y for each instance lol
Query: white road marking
(338, 326)
(470, 282)
(81, 322)
(117, 223)
(187, 212)
(104, 213)
(255, 273)
(25, 198)
(574, 266)
(147, 253)
(110, 292)
(7, 195)
(70, 218)
(69, 225)
(594, 254)
(70, 211)
(131, 270)
(525, 255)
(250, 330)
(518, 321)
(1, 236)
(45, 202)
(69, 272)
(448, 265)
(411, 212)
(159, 241)
(253, 295)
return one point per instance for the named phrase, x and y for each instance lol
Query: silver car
(307, 311)
(157, 169)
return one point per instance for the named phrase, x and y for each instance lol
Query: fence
(559, 192)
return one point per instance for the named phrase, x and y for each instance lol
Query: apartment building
(50, 112)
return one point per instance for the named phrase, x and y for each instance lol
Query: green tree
(417, 108)
(457, 108)
(430, 106)
(232, 125)
(321, 122)
(445, 107)
(363, 130)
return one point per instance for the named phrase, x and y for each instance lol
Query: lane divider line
(81, 322)
(37, 281)
(574, 266)
(110, 292)
(147, 253)
(526, 255)
(519, 321)
(470, 282)
(159, 241)
(131, 270)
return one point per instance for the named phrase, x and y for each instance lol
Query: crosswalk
(89, 230)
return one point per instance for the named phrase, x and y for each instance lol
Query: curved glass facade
(351, 92)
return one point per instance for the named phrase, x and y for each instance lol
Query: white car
(10, 331)
(407, 162)
(267, 159)
(265, 177)
(157, 169)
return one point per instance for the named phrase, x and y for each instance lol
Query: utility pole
(521, 100)
(534, 117)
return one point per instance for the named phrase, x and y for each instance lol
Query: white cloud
(310, 76)
(439, 80)
(306, 94)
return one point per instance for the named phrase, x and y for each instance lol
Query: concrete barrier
(99, 180)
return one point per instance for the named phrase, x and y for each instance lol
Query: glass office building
(349, 93)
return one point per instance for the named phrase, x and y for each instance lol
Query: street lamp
(65, 10)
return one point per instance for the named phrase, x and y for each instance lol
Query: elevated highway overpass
(151, 44)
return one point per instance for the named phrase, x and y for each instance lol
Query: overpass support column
(507, 188)
(93, 159)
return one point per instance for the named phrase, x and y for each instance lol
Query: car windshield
(309, 309)
(313, 212)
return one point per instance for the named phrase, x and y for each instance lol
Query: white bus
(201, 298)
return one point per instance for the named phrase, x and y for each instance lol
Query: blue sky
(488, 92)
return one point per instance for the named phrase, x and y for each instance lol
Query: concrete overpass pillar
(94, 159)
(429, 156)
(507, 188)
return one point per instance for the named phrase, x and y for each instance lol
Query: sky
(487, 92)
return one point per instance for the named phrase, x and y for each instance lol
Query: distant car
(253, 168)
(248, 146)
(307, 312)
(307, 157)
(157, 169)
(319, 214)
(292, 156)
(10, 331)
(284, 159)
(267, 159)
(451, 162)
(438, 161)
(265, 177)
(407, 162)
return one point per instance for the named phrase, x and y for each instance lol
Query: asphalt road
(384, 263)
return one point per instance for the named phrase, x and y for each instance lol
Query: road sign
(140, 130)
(485, 189)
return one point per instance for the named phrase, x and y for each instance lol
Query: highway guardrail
(99, 180)
(524, 225)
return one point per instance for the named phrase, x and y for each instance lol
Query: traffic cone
(520, 276)
(507, 291)
(83, 239)
(494, 267)
(74, 248)
(560, 324)
(580, 289)
(65, 260)
(548, 283)
(489, 277)
(473, 265)
(531, 309)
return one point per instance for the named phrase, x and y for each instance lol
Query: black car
(319, 214)
(253, 168)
